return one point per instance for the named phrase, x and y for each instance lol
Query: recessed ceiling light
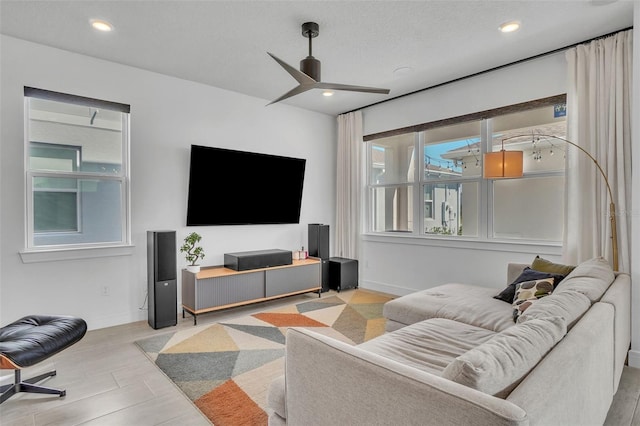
(509, 27)
(327, 93)
(101, 25)
(402, 71)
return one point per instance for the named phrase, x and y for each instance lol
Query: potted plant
(192, 251)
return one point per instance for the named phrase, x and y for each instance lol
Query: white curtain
(348, 184)
(599, 120)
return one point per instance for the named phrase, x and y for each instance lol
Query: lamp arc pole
(612, 205)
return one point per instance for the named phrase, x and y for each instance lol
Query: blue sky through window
(433, 153)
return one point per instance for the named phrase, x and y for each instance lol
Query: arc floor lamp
(508, 164)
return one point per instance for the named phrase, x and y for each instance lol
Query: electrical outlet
(105, 290)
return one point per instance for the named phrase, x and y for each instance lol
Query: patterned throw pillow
(528, 292)
(528, 274)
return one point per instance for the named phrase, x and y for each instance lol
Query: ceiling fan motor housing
(311, 67)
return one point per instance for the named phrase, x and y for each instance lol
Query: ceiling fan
(308, 77)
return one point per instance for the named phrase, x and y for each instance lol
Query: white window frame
(485, 200)
(32, 253)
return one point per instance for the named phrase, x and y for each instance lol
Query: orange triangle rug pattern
(225, 368)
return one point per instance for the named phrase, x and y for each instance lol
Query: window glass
(76, 180)
(531, 131)
(514, 213)
(55, 211)
(392, 208)
(447, 204)
(530, 208)
(393, 159)
(453, 151)
(428, 202)
(89, 139)
(452, 169)
(44, 156)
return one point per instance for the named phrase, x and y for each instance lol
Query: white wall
(167, 116)
(522, 82)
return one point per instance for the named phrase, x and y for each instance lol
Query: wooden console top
(221, 271)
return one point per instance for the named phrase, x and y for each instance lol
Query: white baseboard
(119, 319)
(386, 288)
(634, 359)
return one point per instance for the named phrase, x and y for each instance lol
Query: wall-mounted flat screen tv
(229, 187)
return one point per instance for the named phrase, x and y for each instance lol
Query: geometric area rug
(225, 368)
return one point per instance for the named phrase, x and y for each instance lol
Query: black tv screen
(229, 187)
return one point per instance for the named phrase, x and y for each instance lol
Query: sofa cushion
(469, 304)
(528, 293)
(498, 365)
(544, 265)
(509, 293)
(428, 345)
(569, 305)
(591, 278)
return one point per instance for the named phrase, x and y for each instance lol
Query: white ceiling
(225, 43)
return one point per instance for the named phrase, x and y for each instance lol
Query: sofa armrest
(573, 384)
(619, 295)
(331, 382)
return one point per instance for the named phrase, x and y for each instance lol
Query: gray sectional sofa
(455, 355)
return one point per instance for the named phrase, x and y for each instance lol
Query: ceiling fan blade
(300, 77)
(295, 91)
(351, 88)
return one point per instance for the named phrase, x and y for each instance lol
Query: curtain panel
(599, 120)
(349, 184)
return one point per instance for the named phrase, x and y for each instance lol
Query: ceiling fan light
(101, 25)
(509, 27)
(402, 71)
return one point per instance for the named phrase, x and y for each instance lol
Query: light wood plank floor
(110, 382)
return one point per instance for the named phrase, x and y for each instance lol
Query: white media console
(217, 287)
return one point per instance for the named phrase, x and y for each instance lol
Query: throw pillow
(544, 265)
(509, 293)
(528, 292)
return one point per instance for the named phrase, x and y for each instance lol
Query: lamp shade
(502, 164)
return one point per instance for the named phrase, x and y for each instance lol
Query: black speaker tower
(162, 278)
(319, 247)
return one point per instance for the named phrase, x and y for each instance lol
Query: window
(445, 182)
(77, 171)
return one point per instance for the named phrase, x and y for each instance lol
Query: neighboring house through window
(77, 175)
(441, 192)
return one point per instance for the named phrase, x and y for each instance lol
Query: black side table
(343, 273)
